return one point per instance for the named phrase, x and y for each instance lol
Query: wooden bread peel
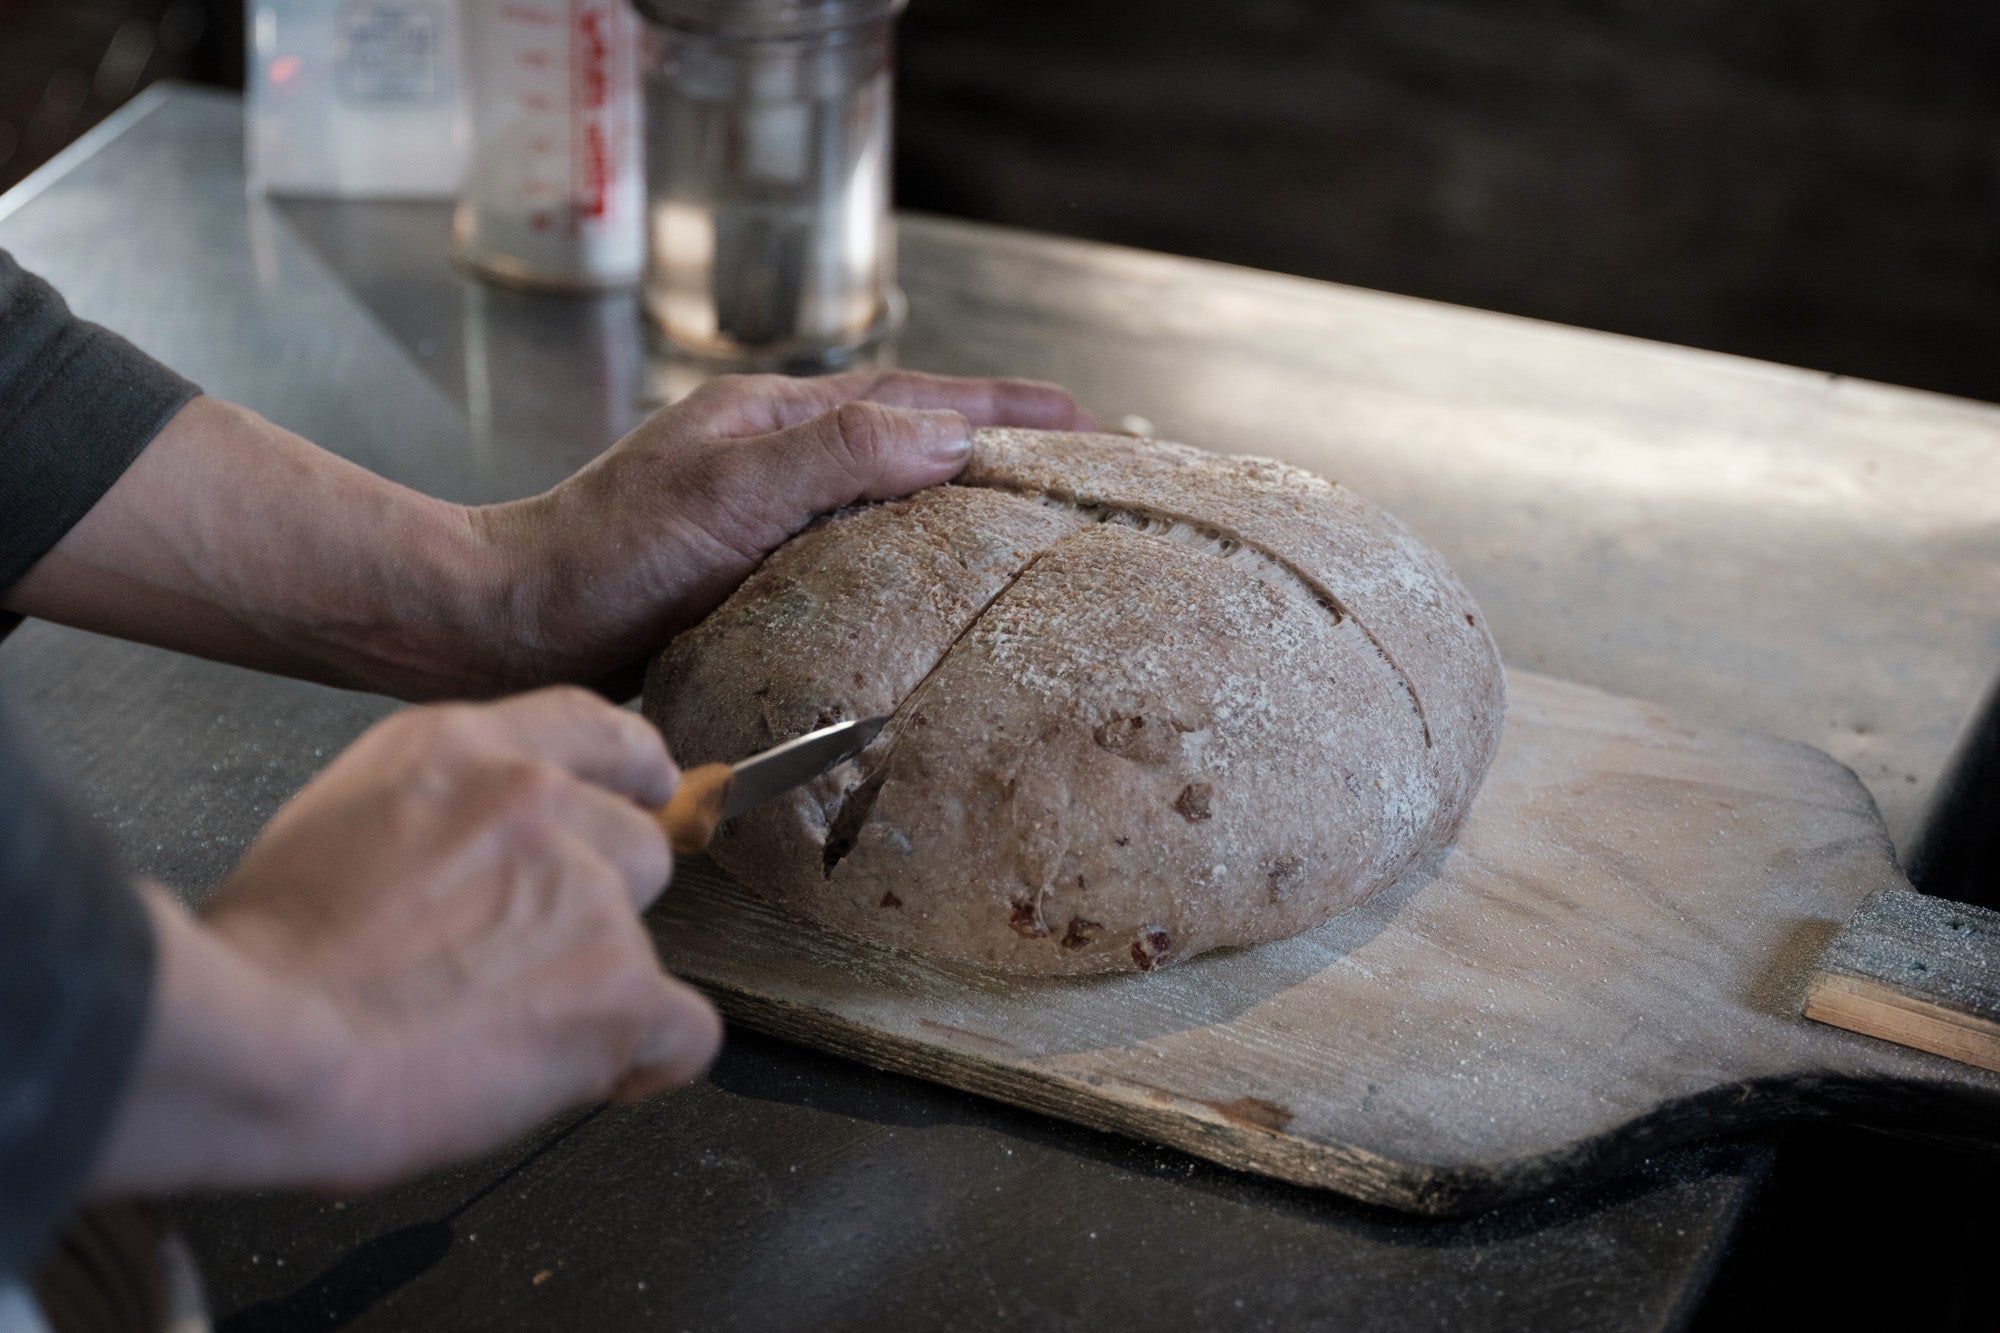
(1612, 960)
(1918, 971)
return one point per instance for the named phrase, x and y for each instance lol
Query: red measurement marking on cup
(592, 93)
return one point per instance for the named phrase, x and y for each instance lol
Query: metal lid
(753, 19)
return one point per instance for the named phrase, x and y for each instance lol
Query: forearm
(236, 1081)
(235, 540)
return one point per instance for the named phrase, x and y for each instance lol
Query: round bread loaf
(1146, 700)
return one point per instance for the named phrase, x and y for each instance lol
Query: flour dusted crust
(1147, 701)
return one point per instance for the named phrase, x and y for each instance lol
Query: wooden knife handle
(696, 808)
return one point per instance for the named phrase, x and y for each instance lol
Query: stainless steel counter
(1767, 546)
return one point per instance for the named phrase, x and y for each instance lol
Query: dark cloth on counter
(77, 405)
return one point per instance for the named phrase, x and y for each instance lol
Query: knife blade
(783, 767)
(712, 793)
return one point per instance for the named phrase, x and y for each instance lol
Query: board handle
(691, 815)
(1918, 971)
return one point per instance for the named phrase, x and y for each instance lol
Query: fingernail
(947, 439)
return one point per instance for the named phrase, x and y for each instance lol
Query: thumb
(856, 451)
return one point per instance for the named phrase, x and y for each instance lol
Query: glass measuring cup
(554, 196)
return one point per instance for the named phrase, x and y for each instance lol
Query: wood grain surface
(1920, 971)
(1613, 958)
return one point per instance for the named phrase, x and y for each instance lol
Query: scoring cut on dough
(1147, 701)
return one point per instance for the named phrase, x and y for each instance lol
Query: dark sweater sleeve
(77, 404)
(76, 969)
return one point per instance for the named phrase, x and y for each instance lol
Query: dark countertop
(1733, 539)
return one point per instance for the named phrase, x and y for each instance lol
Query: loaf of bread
(1146, 701)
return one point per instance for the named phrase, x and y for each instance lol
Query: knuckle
(614, 732)
(859, 434)
(541, 784)
(638, 739)
(452, 729)
(714, 472)
(531, 793)
(727, 496)
(729, 401)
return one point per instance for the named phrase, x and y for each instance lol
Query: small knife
(712, 793)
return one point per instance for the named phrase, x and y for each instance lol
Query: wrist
(445, 614)
(238, 1075)
(231, 538)
(429, 610)
(507, 594)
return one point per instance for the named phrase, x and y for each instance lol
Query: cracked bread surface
(1146, 701)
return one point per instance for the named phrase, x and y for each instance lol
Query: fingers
(594, 1012)
(641, 1030)
(623, 834)
(576, 731)
(985, 402)
(760, 491)
(782, 450)
(740, 405)
(559, 762)
(681, 1038)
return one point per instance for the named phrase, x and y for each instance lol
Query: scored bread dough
(1145, 701)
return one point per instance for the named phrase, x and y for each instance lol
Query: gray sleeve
(77, 404)
(76, 973)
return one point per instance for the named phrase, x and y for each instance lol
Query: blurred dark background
(67, 64)
(1808, 181)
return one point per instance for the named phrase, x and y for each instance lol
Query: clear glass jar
(770, 241)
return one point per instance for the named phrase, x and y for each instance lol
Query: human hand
(650, 537)
(235, 539)
(432, 947)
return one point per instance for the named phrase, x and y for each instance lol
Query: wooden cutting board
(1611, 960)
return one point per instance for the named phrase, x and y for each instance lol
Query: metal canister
(770, 240)
(554, 195)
